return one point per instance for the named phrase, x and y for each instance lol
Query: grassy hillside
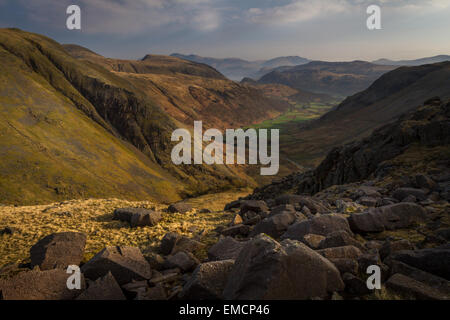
(77, 128)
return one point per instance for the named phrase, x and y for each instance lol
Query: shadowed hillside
(333, 78)
(357, 116)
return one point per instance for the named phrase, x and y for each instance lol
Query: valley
(87, 177)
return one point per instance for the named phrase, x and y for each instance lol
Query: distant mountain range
(338, 79)
(417, 62)
(237, 69)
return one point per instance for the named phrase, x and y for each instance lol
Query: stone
(314, 205)
(182, 260)
(355, 285)
(179, 207)
(348, 252)
(267, 269)
(392, 217)
(237, 219)
(429, 279)
(410, 198)
(58, 250)
(345, 265)
(232, 205)
(274, 226)
(413, 288)
(368, 201)
(338, 239)
(188, 245)
(225, 249)
(435, 261)
(424, 181)
(104, 288)
(233, 231)
(390, 247)
(168, 242)
(282, 208)
(368, 259)
(39, 285)
(154, 293)
(402, 193)
(257, 206)
(148, 218)
(208, 281)
(125, 264)
(321, 225)
(155, 260)
(312, 240)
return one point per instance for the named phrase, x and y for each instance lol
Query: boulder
(346, 252)
(39, 285)
(148, 218)
(435, 261)
(321, 225)
(237, 219)
(232, 205)
(274, 226)
(104, 288)
(282, 208)
(179, 207)
(168, 242)
(402, 193)
(338, 239)
(182, 260)
(345, 265)
(369, 201)
(312, 240)
(429, 279)
(424, 181)
(413, 288)
(226, 248)
(58, 250)
(391, 217)
(314, 205)
(266, 269)
(240, 229)
(355, 285)
(125, 263)
(390, 247)
(208, 281)
(257, 206)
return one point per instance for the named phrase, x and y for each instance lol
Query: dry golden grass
(94, 217)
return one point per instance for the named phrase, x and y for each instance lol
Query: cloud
(302, 10)
(130, 16)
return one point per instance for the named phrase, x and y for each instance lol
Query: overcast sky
(249, 29)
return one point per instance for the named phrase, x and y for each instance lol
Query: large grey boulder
(208, 281)
(104, 288)
(125, 264)
(321, 225)
(39, 285)
(257, 206)
(274, 226)
(391, 217)
(267, 269)
(58, 250)
(225, 249)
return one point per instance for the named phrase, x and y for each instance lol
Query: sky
(332, 30)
